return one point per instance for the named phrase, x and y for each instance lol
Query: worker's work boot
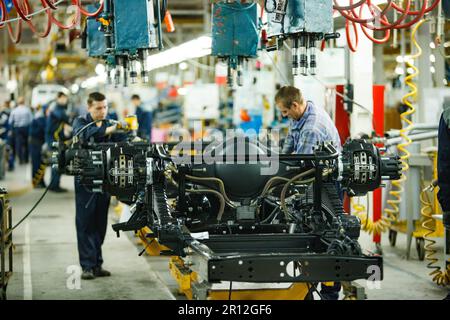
(100, 272)
(87, 275)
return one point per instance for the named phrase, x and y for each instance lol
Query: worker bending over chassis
(92, 208)
(309, 126)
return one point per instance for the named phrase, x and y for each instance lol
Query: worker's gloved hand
(123, 125)
(112, 129)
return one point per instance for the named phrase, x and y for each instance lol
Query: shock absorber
(239, 72)
(303, 55)
(312, 47)
(133, 72)
(229, 74)
(125, 71)
(143, 55)
(119, 70)
(109, 73)
(295, 56)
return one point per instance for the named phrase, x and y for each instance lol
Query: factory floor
(46, 258)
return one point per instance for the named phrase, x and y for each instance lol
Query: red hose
(18, 34)
(375, 40)
(49, 21)
(69, 26)
(385, 22)
(350, 7)
(416, 19)
(23, 9)
(349, 12)
(387, 33)
(49, 3)
(370, 6)
(19, 10)
(3, 12)
(353, 16)
(400, 9)
(351, 46)
(87, 13)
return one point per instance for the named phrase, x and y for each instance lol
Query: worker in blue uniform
(57, 123)
(4, 132)
(112, 113)
(36, 142)
(92, 208)
(309, 126)
(144, 117)
(20, 120)
(5, 111)
(444, 173)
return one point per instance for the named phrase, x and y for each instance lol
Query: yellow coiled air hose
(441, 278)
(371, 227)
(392, 211)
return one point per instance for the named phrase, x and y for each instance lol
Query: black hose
(87, 126)
(35, 205)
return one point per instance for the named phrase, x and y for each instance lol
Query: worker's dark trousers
(12, 150)
(21, 135)
(36, 161)
(91, 223)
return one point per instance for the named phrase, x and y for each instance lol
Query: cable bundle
(404, 17)
(25, 13)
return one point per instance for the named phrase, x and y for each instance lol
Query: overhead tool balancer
(124, 34)
(234, 34)
(306, 23)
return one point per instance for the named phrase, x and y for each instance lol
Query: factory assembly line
(285, 227)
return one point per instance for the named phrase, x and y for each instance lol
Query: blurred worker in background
(144, 118)
(5, 112)
(444, 174)
(57, 129)
(11, 141)
(309, 126)
(4, 130)
(37, 140)
(92, 208)
(112, 113)
(20, 120)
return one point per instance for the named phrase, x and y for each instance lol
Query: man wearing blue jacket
(92, 208)
(37, 140)
(144, 117)
(309, 125)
